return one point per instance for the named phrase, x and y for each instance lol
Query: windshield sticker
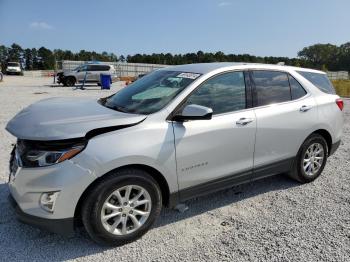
(189, 75)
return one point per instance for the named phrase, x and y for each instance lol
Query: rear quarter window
(321, 81)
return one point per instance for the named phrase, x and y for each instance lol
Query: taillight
(340, 103)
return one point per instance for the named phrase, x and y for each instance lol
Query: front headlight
(46, 158)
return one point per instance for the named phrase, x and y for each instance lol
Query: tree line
(319, 56)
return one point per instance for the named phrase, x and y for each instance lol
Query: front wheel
(122, 207)
(311, 159)
(70, 81)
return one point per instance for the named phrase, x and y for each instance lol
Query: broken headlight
(47, 158)
(40, 154)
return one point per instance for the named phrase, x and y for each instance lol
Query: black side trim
(63, 227)
(273, 169)
(230, 181)
(334, 148)
(174, 199)
(215, 185)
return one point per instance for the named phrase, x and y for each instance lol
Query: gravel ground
(274, 219)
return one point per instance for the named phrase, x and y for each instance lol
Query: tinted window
(103, 67)
(321, 81)
(296, 89)
(271, 87)
(223, 93)
(98, 67)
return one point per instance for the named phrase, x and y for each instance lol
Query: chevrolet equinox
(174, 134)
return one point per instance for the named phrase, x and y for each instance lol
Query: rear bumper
(63, 227)
(334, 147)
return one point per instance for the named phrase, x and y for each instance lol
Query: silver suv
(174, 134)
(88, 72)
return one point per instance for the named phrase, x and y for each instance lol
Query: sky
(256, 27)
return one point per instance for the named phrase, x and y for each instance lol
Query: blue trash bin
(105, 81)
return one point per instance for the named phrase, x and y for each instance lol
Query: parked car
(174, 134)
(14, 68)
(90, 72)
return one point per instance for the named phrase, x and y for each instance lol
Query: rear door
(213, 154)
(286, 115)
(102, 69)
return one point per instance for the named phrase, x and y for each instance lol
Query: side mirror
(194, 112)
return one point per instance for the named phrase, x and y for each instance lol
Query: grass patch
(342, 87)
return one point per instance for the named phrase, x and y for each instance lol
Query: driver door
(213, 154)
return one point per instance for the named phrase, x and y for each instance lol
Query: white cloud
(223, 4)
(40, 25)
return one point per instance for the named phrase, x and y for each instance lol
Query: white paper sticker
(189, 75)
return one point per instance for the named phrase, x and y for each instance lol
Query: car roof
(98, 64)
(204, 68)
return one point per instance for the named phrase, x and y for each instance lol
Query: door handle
(305, 108)
(244, 121)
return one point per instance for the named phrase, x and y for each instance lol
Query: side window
(321, 81)
(89, 68)
(222, 93)
(297, 90)
(105, 68)
(271, 87)
(82, 68)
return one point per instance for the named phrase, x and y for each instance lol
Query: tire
(306, 171)
(70, 81)
(94, 207)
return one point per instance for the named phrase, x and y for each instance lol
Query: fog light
(47, 201)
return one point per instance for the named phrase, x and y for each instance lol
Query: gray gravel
(275, 219)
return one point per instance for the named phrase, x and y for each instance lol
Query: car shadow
(75, 87)
(19, 240)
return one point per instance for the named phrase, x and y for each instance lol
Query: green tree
(321, 54)
(28, 59)
(3, 57)
(47, 58)
(15, 53)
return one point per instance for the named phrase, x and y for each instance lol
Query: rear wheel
(122, 207)
(311, 159)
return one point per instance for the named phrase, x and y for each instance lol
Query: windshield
(77, 68)
(13, 64)
(150, 93)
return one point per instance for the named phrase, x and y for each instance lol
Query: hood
(66, 118)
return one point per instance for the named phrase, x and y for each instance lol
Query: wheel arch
(327, 136)
(71, 76)
(154, 173)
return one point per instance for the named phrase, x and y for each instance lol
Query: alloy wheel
(313, 159)
(126, 210)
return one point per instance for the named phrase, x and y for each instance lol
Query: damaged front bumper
(28, 186)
